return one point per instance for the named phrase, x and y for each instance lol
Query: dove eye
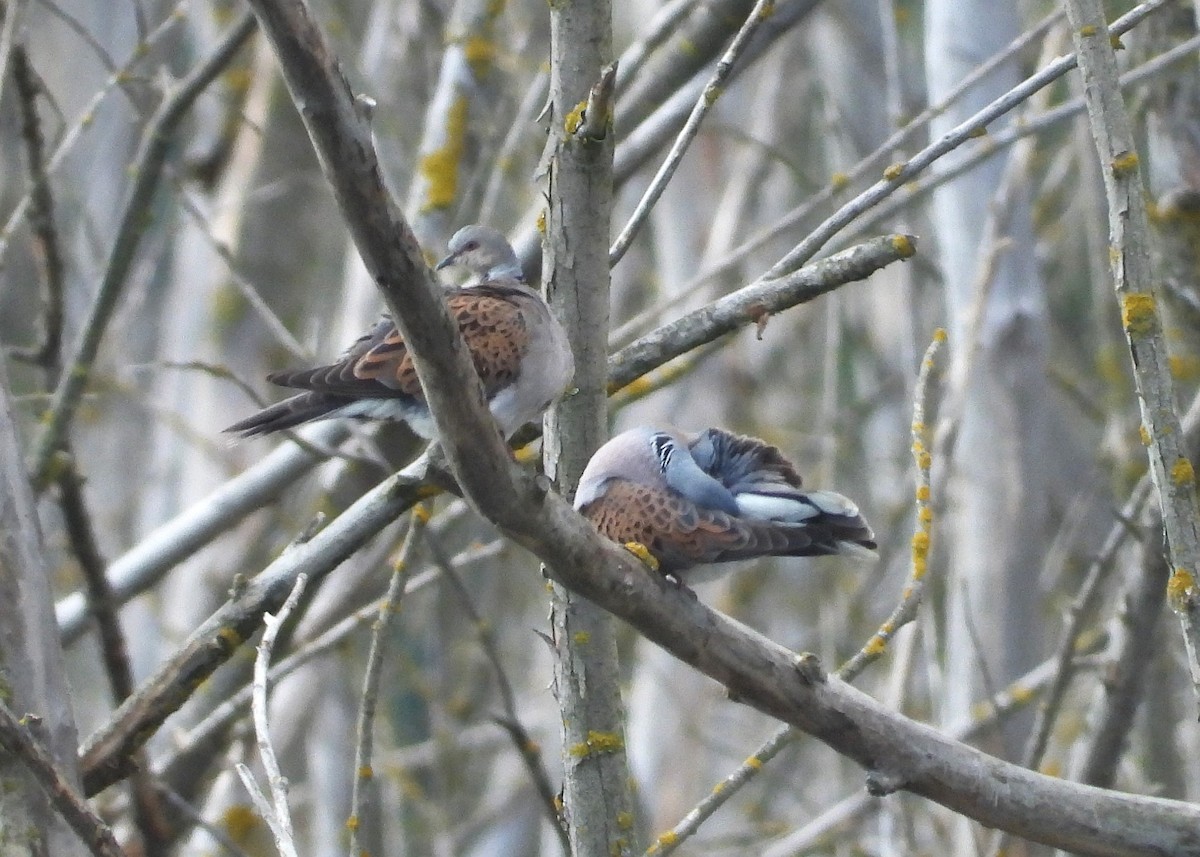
(471, 245)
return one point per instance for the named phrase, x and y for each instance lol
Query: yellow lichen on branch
(440, 167)
(1125, 164)
(596, 743)
(575, 118)
(920, 552)
(1139, 313)
(1181, 589)
(904, 246)
(664, 841)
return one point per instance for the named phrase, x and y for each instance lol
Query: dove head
(483, 251)
(639, 455)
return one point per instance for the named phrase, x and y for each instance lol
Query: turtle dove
(713, 498)
(519, 349)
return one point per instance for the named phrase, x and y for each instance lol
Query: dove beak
(445, 263)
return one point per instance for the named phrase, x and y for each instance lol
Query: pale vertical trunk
(996, 496)
(597, 803)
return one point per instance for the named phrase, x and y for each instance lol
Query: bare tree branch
(105, 754)
(510, 721)
(364, 823)
(160, 550)
(1133, 276)
(41, 217)
(712, 91)
(754, 304)
(275, 812)
(1135, 646)
(16, 740)
(32, 671)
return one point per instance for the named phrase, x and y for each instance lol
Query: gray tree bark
(597, 802)
(31, 660)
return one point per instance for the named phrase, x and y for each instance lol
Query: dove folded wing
(489, 318)
(680, 534)
(744, 464)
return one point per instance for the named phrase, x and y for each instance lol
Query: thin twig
(85, 35)
(87, 117)
(664, 23)
(270, 320)
(1080, 610)
(526, 746)
(667, 842)
(148, 168)
(275, 812)
(194, 816)
(910, 599)
(364, 773)
(204, 739)
(712, 90)
(41, 219)
(1128, 669)
(101, 603)
(505, 156)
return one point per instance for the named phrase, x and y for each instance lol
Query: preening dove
(520, 352)
(715, 498)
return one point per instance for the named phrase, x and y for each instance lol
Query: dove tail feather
(864, 550)
(288, 414)
(828, 534)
